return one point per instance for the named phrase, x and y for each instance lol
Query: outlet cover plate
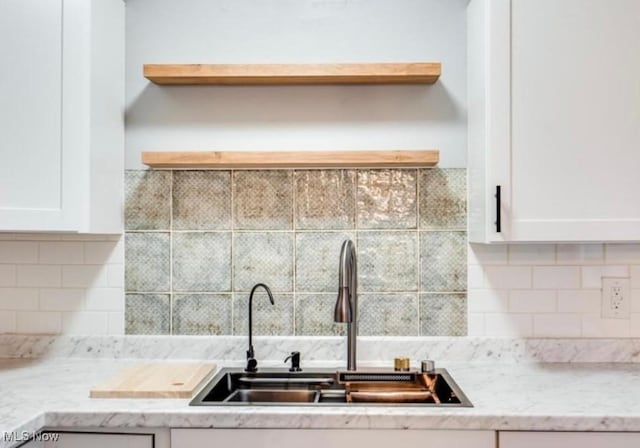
(616, 298)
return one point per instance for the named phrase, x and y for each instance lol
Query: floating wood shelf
(293, 159)
(264, 74)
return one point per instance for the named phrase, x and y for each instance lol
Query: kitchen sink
(326, 387)
(272, 396)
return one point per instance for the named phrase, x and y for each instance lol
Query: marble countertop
(53, 392)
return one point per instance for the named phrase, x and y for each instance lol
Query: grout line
(384, 230)
(294, 270)
(354, 198)
(330, 293)
(171, 175)
(232, 282)
(419, 249)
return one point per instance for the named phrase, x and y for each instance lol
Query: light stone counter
(52, 392)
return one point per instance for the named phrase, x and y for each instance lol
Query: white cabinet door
(61, 115)
(33, 190)
(334, 438)
(568, 439)
(554, 120)
(92, 440)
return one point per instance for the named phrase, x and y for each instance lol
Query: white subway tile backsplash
(38, 275)
(115, 276)
(7, 322)
(115, 323)
(36, 236)
(475, 277)
(532, 301)
(58, 252)
(46, 279)
(507, 277)
(508, 325)
(487, 301)
(19, 299)
(85, 276)
(594, 326)
(532, 254)
(85, 237)
(634, 272)
(635, 300)
(475, 324)
(104, 252)
(40, 322)
(556, 277)
(487, 254)
(622, 253)
(592, 275)
(562, 299)
(52, 283)
(557, 325)
(18, 252)
(85, 323)
(61, 299)
(105, 299)
(579, 301)
(7, 275)
(634, 325)
(580, 254)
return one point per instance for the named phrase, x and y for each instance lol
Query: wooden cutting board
(156, 380)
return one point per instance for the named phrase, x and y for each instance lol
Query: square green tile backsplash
(197, 241)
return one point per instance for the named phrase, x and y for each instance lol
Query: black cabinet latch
(498, 220)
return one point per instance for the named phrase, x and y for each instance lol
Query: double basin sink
(326, 387)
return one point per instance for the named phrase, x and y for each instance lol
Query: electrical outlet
(616, 296)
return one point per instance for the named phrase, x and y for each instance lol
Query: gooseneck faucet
(252, 362)
(347, 302)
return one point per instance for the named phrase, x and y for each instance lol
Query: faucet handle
(295, 361)
(428, 366)
(252, 365)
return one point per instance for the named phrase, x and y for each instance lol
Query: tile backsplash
(549, 290)
(61, 283)
(197, 241)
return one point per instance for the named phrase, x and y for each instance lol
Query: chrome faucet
(347, 302)
(252, 362)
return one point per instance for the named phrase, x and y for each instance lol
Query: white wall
(302, 117)
(548, 290)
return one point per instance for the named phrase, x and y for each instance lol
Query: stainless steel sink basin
(324, 387)
(272, 396)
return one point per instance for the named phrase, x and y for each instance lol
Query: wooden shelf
(265, 74)
(293, 159)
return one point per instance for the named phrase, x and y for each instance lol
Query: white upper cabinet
(61, 115)
(554, 120)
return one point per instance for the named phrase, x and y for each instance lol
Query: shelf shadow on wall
(260, 106)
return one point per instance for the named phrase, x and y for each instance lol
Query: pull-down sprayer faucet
(347, 302)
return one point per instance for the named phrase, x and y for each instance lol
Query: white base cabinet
(554, 120)
(91, 440)
(522, 439)
(334, 438)
(62, 115)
